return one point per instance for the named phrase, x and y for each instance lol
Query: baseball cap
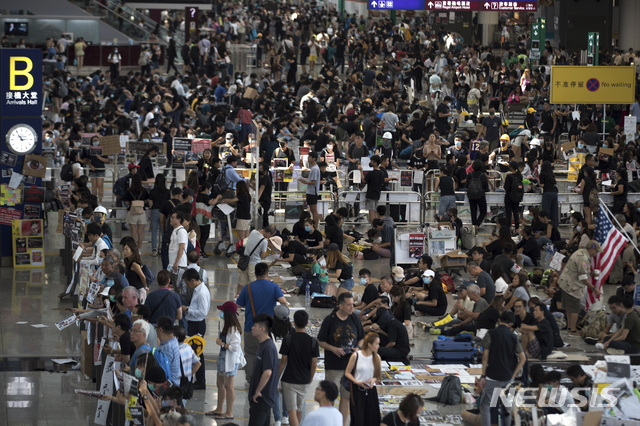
(461, 287)
(594, 245)
(133, 166)
(428, 273)
(387, 135)
(397, 271)
(229, 305)
(333, 247)
(281, 312)
(229, 136)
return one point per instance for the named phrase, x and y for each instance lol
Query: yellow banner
(593, 85)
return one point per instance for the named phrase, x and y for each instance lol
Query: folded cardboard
(453, 258)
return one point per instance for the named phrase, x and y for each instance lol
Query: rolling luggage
(450, 351)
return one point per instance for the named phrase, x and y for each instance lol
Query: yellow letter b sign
(24, 71)
(21, 83)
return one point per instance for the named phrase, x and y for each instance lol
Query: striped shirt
(188, 358)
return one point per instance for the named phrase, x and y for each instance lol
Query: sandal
(213, 413)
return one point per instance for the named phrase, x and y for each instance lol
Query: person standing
(375, 181)
(256, 248)
(313, 186)
(477, 187)
(178, 243)
(326, 415)
(298, 366)
(196, 314)
(115, 61)
(170, 346)
(499, 365)
(549, 192)
(263, 387)
(513, 194)
(340, 335)
(164, 301)
(491, 129)
(261, 296)
(364, 372)
(79, 48)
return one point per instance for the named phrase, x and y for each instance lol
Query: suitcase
(452, 346)
(452, 357)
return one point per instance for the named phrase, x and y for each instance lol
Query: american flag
(612, 242)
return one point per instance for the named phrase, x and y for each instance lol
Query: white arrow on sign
(430, 5)
(486, 5)
(374, 4)
(535, 33)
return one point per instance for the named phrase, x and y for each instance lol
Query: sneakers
(154, 253)
(285, 420)
(277, 423)
(590, 340)
(612, 351)
(246, 385)
(600, 346)
(435, 331)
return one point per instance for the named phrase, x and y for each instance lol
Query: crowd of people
(325, 94)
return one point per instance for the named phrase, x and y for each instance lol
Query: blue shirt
(163, 302)
(219, 92)
(265, 295)
(232, 176)
(171, 349)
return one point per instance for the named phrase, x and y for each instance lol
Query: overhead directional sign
(396, 4)
(484, 5)
(592, 85)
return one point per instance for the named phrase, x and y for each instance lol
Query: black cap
(333, 247)
(188, 191)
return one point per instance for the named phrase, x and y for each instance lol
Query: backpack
(517, 189)
(118, 187)
(515, 132)
(66, 173)
(148, 274)
(447, 283)
(107, 240)
(162, 360)
(143, 59)
(593, 323)
(450, 392)
(221, 184)
(475, 192)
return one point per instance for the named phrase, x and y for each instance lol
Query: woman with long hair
(363, 373)
(134, 273)
(146, 164)
(97, 171)
(549, 192)
(407, 413)
(243, 209)
(517, 289)
(342, 268)
(204, 208)
(401, 309)
(158, 195)
(136, 216)
(229, 360)
(620, 191)
(298, 228)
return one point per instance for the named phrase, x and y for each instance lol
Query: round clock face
(21, 139)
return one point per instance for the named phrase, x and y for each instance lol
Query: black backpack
(517, 189)
(474, 191)
(66, 173)
(221, 184)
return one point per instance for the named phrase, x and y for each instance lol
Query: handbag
(243, 260)
(346, 383)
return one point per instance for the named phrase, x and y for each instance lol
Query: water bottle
(307, 296)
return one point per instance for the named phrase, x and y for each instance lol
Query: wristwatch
(145, 397)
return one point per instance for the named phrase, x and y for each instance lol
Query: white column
(488, 20)
(629, 33)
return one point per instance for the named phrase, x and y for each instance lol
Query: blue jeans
(406, 153)
(526, 260)
(276, 408)
(446, 202)
(542, 241)
(155, 226)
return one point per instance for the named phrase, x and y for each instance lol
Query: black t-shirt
(334, 235)
(137, 196)
(503, 262)
(168, 206)
(346, 270)
(244, 207)
(397, 332)
(342, 334)
(530, 248)
(267, 182)
(487, 318)
(493, 128)
(133, 277)
(375, 182)
(442, 123)
(544, 334)
(393, 419)
(313, 239)
(158, 197)
(299, 252)
(370, 294)
(403, 313)
(299, 348)
(437, 293)
(126, 347)
(549, 182)
(416, 162)
(528, 320)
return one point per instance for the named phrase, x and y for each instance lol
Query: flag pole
(602, 204)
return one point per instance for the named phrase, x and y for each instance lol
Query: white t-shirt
(178, 236)
(323, 416)
(254, 239)
(501, 286)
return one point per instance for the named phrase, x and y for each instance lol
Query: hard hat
(505, 137)
(100, 209)
(531, 110)
(387, 135)
(534, 142)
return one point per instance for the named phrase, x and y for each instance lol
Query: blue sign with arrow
(396, 4)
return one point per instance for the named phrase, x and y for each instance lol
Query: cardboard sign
(110, 145)
(250, 93)
(567, 146)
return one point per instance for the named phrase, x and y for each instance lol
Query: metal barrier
(412, 202)
(396, 186)
(291, 203)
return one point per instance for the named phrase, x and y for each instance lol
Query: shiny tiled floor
(39, 393)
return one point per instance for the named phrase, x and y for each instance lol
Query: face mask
(580, 145)
(458, 144)
(377, 240)
(113, 300)
(138, 373)
(166, 403)
(549, 388)
(100, 259)
(87, 221)
(109, 283)
(363, 281)
(48, 138)
(386, 143)
(397, 279)
(426, 280)
(329, 146)
(96, 143)
(115, 51)
(77, 144)
(307, 228)
(145, 140)
(152, 388)
(221, 315)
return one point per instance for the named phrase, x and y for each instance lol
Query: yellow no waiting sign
(593, 85)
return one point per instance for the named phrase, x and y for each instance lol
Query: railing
(408, 205)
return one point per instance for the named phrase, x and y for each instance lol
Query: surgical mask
(100, 259)
(77, 144)
(580, 145)
(166, 403)
(47, 138)
(363, 281)
(145, 140)
(87, 221)
(386, 143)
(138, 373)
(549, 388)
(426, 280)
(307, 228)
(96, 143)
(604, 145)
(152, 388)
(397, 279)
(109, 283)
(112, 299)
(330, 146)
(458, 144)
(221, 315)
(578, 228)
(115, 51)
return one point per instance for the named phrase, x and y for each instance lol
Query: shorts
(534, 348)
(335, 376)
(136, 219)
(313, 58)
(312, 200)
(571, 304)
(293, 395)
(243, 224)
(347, 284)
(370, 204)
(97, 173)
(221, 364)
